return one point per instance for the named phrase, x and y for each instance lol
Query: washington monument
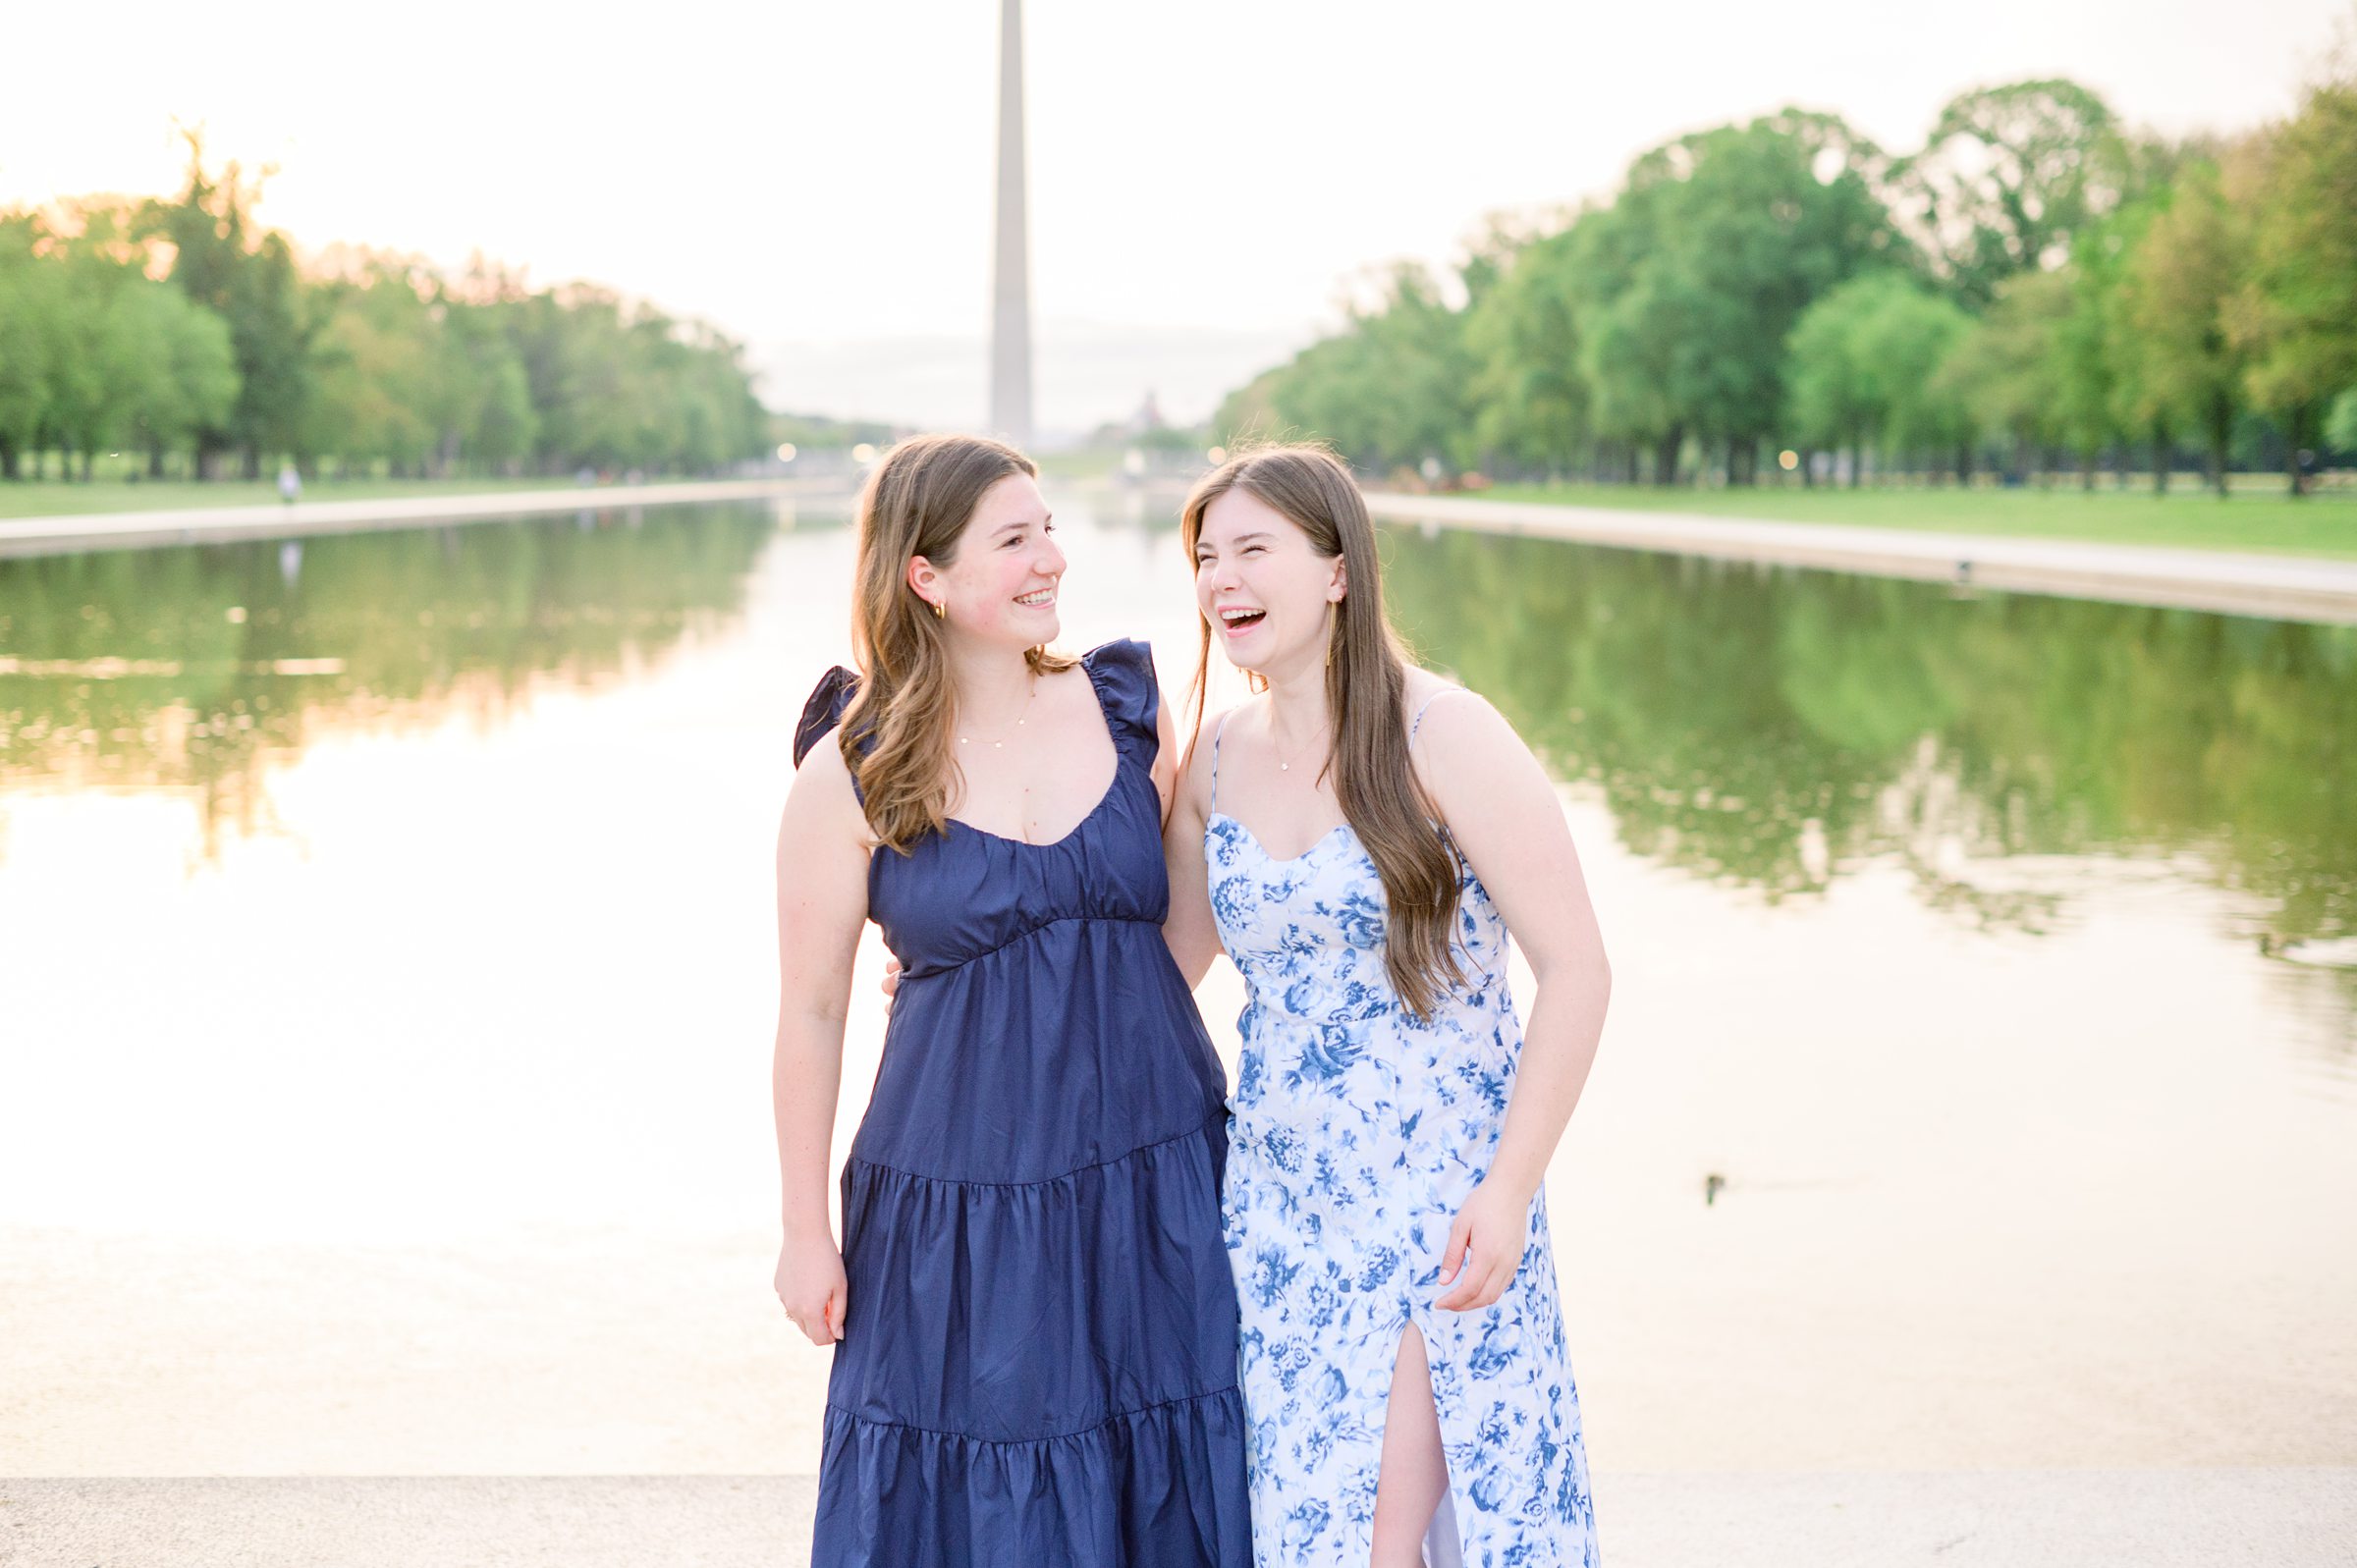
(1011, 282)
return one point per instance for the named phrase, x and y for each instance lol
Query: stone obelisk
(1011, 282)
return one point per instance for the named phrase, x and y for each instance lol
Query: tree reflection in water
(1768, 728)
(191, 667)
(1773, 727)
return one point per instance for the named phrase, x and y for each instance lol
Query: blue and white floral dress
(1357, 1134)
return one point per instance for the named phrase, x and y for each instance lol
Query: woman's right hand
(812, 1287)
(892, 984)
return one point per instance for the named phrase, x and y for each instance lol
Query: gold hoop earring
(940, 611)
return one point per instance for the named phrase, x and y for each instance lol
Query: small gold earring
(939, 612)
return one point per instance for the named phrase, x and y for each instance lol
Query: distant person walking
(1033, 1320)
(1361, 839)
(290, 484)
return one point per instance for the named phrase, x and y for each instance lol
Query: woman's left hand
(1485, 1248)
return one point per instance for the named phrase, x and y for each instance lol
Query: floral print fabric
(1357, 1133)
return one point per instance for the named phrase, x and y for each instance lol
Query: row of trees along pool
(2037, 288)
(185, 332)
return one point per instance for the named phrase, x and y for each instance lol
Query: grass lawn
(2188, 518)
(54, 498)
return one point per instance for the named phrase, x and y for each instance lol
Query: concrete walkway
(1957, 1519)
(133, 530)
(2287, 587)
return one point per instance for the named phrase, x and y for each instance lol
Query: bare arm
(1506, 819)
(822, 905)
(1188, 928)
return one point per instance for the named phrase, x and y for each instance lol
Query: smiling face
(999, 584)
(1263, 586)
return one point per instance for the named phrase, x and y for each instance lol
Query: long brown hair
(896, 733)
(1366, 687)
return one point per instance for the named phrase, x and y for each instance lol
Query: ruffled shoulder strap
(1123, 674)
(824, 711)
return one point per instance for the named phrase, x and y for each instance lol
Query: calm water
(385, 943)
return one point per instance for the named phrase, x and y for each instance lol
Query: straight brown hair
(896, 733)
(1366, 687)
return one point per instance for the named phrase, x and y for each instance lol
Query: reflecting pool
(386, 967)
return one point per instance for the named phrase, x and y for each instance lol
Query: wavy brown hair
(1366, 689)
(896, 733)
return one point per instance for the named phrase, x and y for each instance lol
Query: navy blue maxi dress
(1038, 1369)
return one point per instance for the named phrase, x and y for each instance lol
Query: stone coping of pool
(1764, 1518)
(2293, 587)
(278, 519)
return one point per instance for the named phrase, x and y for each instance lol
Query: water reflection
(1770, 729)
(190, 667)
(469, 1054)
(1780, 727)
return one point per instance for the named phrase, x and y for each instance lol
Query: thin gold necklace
(1285, 766)
(1033, 691)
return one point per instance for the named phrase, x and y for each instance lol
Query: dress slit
(1358, 1133)
(1442, 1547)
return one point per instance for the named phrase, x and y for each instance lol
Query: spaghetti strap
(1415, 724)
(1217, 730)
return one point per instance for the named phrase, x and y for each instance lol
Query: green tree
(2175, 291)
(2005, 370)
(1912, 338)
(1737, 230)
(1532, 404)
(575, 346)
(2085, 360)
(1392, 390)
(116, 332)
(189, 382)
(1626, 329)
(1907, 341)
(2298, 314)
(81, 403)
(222, 262)
(489, 419)
(2340, 425)
(1250, 413)
(2137, 405)
(1864, 365)
(373, 358)
(376, 368)
(28, 306)
(1835, 395)
(2008, 177)
(1416, 400)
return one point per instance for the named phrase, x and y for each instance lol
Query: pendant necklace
(1285, 766)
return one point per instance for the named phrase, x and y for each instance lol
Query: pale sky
(1205, 180)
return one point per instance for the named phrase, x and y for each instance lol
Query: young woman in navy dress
(1033, 1321)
